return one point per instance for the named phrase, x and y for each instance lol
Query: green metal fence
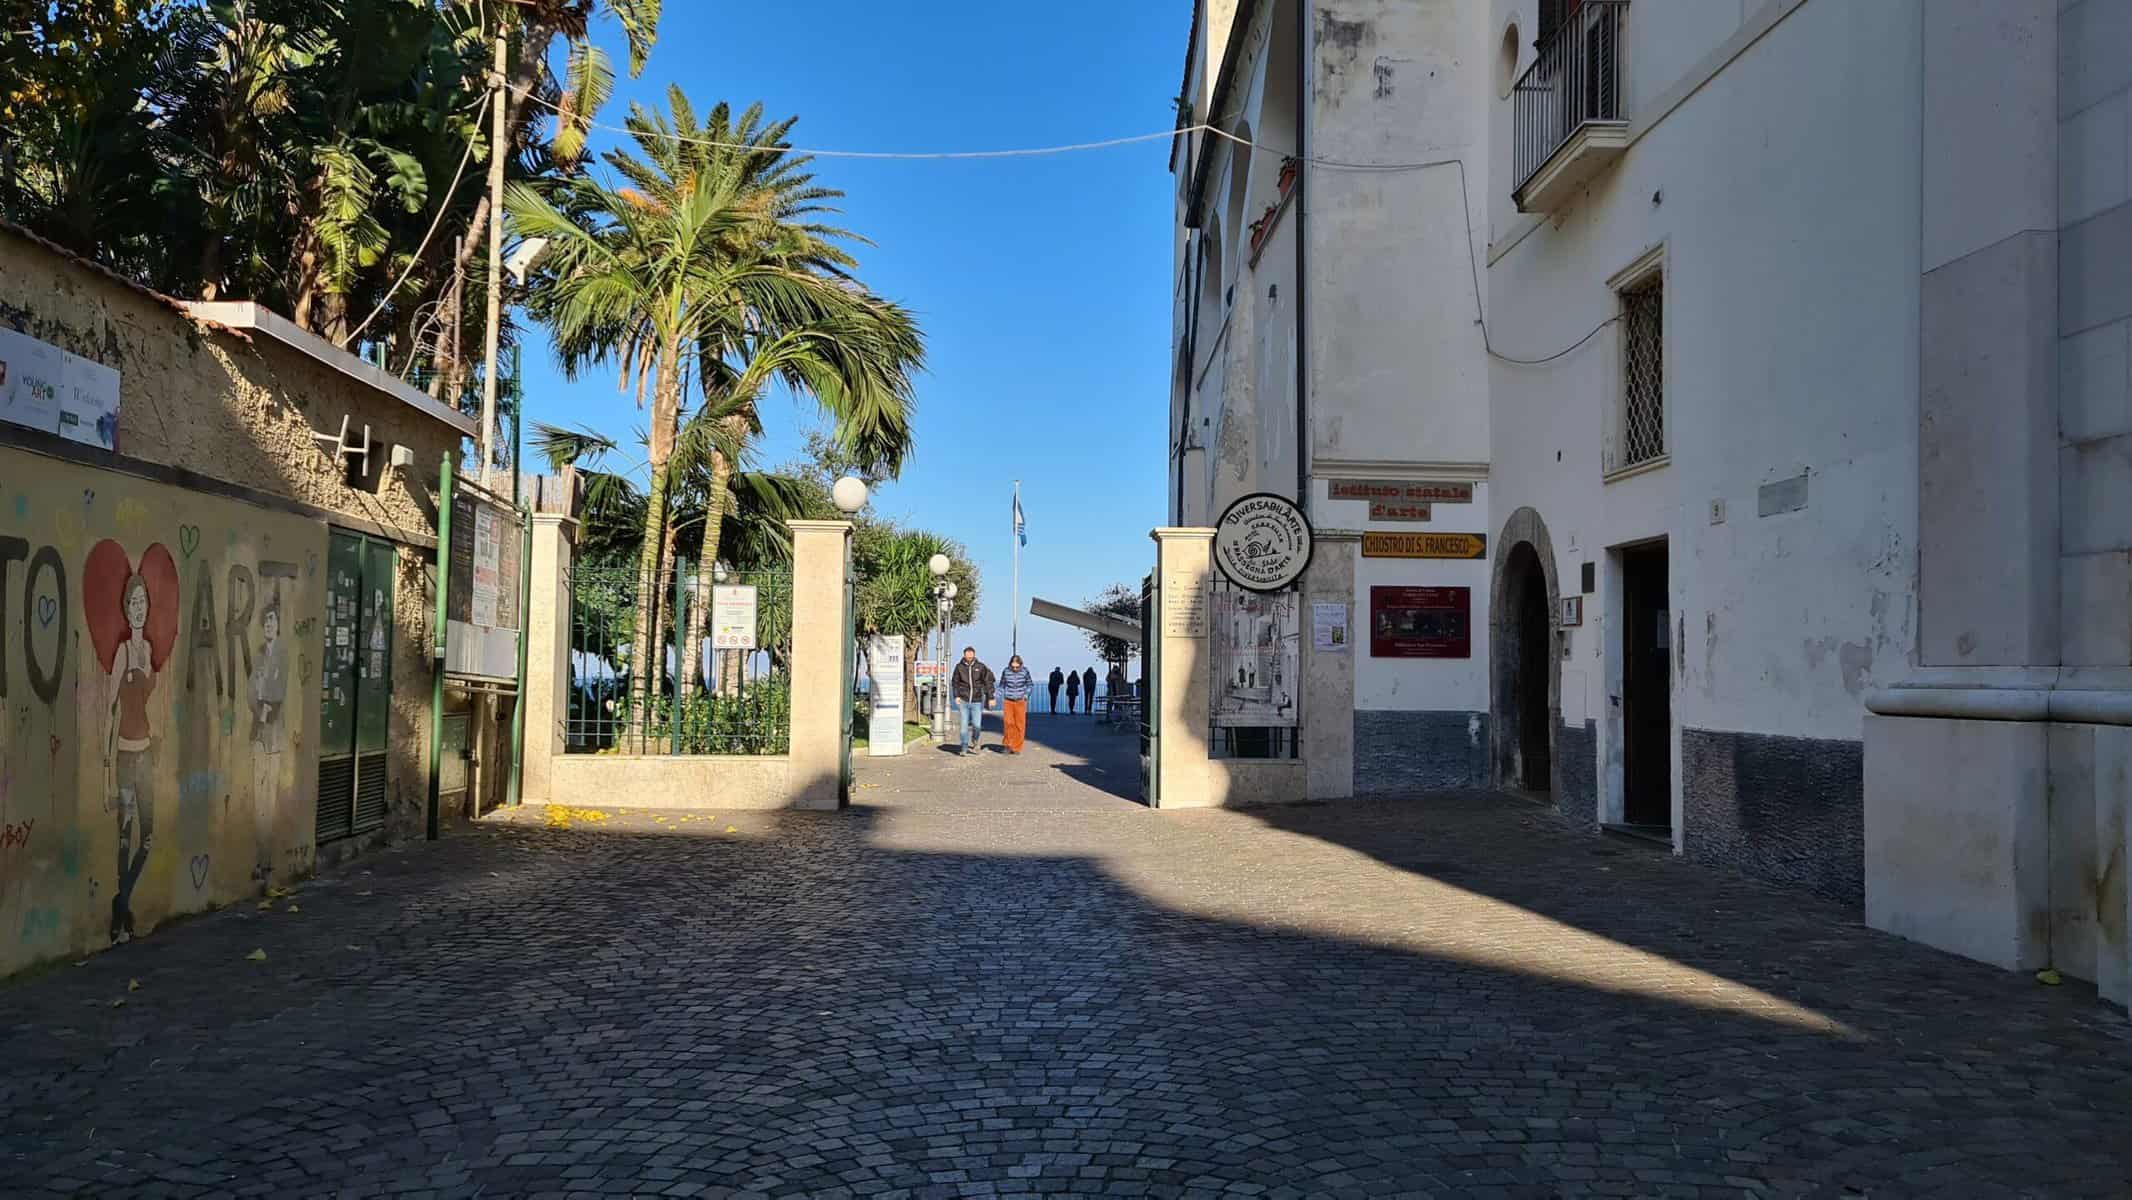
(735, 701)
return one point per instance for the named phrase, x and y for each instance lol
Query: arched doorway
(1526, 674)
(1532, 747)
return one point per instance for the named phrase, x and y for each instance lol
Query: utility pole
(495, 288)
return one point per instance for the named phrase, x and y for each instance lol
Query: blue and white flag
(1021, 526)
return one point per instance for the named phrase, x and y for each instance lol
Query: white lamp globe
(938, 564)
(849, 494)
(950, 590)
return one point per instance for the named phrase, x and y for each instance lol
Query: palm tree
(706, 261)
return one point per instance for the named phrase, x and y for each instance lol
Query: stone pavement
(998, 983)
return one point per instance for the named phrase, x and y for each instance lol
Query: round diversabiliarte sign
(1262, 542)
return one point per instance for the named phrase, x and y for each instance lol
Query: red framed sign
(1421, 622)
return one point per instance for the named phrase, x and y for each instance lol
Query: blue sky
(1042, 284)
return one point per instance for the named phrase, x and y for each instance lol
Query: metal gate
(355, 694)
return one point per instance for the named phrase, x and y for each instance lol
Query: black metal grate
(1643, 424)
(369, 793)
(336, 798)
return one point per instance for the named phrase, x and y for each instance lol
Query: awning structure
(1124, 631)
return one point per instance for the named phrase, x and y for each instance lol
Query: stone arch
(1524, 557)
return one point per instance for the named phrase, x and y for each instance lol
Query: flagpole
(1015, 634)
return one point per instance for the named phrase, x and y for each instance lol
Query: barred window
(1643, 391)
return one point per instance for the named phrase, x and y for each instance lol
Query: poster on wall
(45, 388)
(1421, 622)
(1328, 628)
(483, 587)
(1256, 642)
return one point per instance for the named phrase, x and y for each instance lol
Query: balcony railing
(1575, 82)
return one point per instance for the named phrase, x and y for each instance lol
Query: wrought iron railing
(735, 701)
(1575, 81)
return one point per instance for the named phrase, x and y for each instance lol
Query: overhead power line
(1334, 164)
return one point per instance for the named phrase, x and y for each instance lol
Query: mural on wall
(153, 758)
(131, 613)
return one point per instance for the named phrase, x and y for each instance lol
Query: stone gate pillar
(547, 697)
(821, 629)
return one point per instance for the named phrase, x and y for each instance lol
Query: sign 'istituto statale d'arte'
(1262, 542)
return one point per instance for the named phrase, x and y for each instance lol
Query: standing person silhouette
(1073, 692)
(1057, 681)
(1088, 689)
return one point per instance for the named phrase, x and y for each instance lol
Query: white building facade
(1783, 347)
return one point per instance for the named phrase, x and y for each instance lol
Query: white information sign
(884, 677)
(44, 387)
(1328, 628)
(733, 616)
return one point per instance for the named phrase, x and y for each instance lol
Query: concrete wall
(1738, 115)
(696, 783)
(144, 776)
(2094, 446)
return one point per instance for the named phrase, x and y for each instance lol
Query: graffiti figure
(270, 690)
(133, 622)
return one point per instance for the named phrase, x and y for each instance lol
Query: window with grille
(1643, 390)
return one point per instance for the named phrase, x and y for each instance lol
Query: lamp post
(943, 592)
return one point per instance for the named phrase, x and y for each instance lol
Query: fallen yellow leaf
(257, 956)
(730, 829)
(266, 906)
(133, 985)
(119, 1003)
(293, 909)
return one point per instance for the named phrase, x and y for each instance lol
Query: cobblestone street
(999, 975)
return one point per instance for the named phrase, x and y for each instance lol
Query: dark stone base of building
(1788, 810)
(1577, 769)
(1401, 752)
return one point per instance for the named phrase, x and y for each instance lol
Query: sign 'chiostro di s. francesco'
(1262, 542)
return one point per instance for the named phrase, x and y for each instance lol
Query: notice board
(1421, 622)
(483, 587)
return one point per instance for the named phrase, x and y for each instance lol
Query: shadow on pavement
(798, 1004)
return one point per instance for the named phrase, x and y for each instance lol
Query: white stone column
(821, 562)
(547, 697)
(1328, 735)
(1957, 758)
(1184, 566)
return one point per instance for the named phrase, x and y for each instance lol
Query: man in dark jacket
(1088, 688)
(971, 688)
(1073, 691)
(1057, 681)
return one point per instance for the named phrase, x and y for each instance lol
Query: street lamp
(943, 594)
(849, 494)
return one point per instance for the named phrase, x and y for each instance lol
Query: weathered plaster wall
(239, 409)
(158, 749)
(207, 409)
(1791, 349)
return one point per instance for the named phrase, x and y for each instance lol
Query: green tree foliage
(699, 259)
(324, 158)
(1119, 600)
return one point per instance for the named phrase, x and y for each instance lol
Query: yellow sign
(1424, 545)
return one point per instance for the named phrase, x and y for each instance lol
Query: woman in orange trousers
(1015, 684)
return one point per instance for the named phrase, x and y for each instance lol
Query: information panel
(1421, 622)
(484, 587)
